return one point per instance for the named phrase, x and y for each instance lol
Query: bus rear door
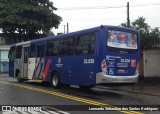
(25, 61)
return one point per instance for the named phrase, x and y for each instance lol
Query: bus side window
(18, 52)
(32, 52)
(52, 48)
(85, 44)
(70, 46)
(92, 43)
(62, 49)
(67, 46)
(55, 47)
(49, 48)
(40, 51)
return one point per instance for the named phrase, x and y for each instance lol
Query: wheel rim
(55, 80)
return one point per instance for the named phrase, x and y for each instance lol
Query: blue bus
(100, 55)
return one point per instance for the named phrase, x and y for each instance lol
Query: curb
(4, 75)
(131, 91)
(141, 92)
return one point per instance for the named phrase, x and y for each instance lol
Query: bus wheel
(55, 80)
(19, 79)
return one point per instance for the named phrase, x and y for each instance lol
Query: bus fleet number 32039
(88, 61)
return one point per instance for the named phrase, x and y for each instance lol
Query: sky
(83, 14)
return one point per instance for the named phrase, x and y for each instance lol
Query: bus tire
(18, 75)
(55, 80)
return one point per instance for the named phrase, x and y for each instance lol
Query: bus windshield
(121, 41)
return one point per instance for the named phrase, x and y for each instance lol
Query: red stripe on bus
(46, 69)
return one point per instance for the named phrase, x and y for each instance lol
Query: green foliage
(148, 37)
(23, 20)
(155, 36)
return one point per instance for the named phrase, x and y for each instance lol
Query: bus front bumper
(103, 78)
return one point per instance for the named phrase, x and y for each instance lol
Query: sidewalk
(150, 86)
(4, 74)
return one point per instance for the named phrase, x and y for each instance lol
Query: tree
(148, 37)
(155, 36)
(22, 20)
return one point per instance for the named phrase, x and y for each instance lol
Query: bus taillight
(104, 67)
(133, 63)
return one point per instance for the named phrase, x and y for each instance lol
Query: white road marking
(35, 112)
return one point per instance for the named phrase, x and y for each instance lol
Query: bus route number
(88, 61)
(125, 60)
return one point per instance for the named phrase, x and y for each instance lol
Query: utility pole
(128, 20)
(0, 60)
(67, 28)
(64, 28)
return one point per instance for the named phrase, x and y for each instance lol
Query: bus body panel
(102, 78)
(73, 69)
(118, 67)
(70, 69)
(31, 67)
(38, 68)
(40, 49)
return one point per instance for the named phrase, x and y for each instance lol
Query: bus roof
(68, 34)
(72, 34)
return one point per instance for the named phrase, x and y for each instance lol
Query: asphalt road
(71, 100)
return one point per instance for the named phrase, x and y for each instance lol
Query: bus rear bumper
(103, 78)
